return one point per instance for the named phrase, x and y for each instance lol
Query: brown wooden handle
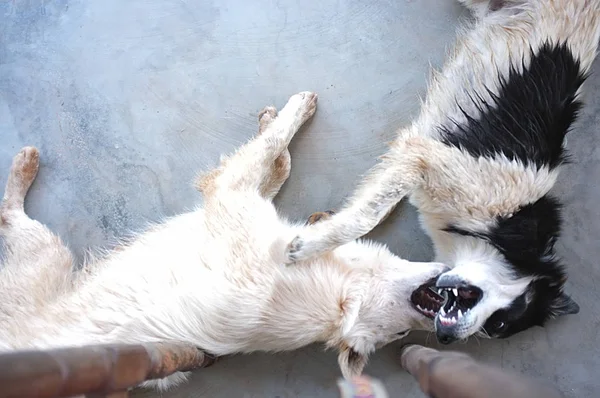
(93, 370)
(456, 375)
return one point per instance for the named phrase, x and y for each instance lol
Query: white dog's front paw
(294, 250)
(303, 247)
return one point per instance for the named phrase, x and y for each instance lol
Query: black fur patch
(531, 114)
(526, 240)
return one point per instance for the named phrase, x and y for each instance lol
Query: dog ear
(563, 305)
(351, 362)
(350, 309)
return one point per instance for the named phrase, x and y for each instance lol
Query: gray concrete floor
(128, 99)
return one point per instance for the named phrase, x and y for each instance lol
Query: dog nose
(445, 338)
(446, 280)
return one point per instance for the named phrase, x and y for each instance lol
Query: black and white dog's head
(510, 279)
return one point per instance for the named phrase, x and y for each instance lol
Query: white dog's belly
(177, 282)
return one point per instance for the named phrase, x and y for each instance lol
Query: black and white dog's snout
(450, 281)
(460, 298)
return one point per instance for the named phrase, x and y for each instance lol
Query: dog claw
(292, 250)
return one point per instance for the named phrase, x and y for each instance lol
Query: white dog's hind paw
(23, 171)
(266, 117)
(268, 112)
(301, 106)
(309, 105)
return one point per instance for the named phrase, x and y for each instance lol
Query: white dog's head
(506, 279)
(385, 297)
(385, 302)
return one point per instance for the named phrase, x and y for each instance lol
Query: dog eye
(499, 326)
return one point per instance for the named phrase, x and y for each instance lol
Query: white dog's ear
(350, 310)
(351, 362)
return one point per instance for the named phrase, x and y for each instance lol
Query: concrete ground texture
(127, 100)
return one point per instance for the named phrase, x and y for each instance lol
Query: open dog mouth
(459, 302)
(426, 300)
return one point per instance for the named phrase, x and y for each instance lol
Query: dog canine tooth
(455, 291)
(459, 313)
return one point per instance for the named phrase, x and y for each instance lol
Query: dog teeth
(459, 313)
(455, 291)
(426, 310)
(442, 311)
(447, 321)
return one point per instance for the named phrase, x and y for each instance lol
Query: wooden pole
(456, 375)
(95, 371)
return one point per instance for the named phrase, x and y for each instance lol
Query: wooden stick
(456, 375)
(94, 370)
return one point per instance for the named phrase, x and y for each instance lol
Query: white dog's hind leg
(249, 167)
(37, 266)
(281, 167)
(480, 8)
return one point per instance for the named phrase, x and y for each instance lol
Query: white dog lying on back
(213, 277)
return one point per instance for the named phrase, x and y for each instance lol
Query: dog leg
(480, 8)
(249, 167)
(37, 265)
(387, 183)
(325, 215)
(319, 216)
(281, 167)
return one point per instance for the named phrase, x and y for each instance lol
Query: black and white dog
(479, 161)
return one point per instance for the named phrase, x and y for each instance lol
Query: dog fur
(214, 277)
(479, 160)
